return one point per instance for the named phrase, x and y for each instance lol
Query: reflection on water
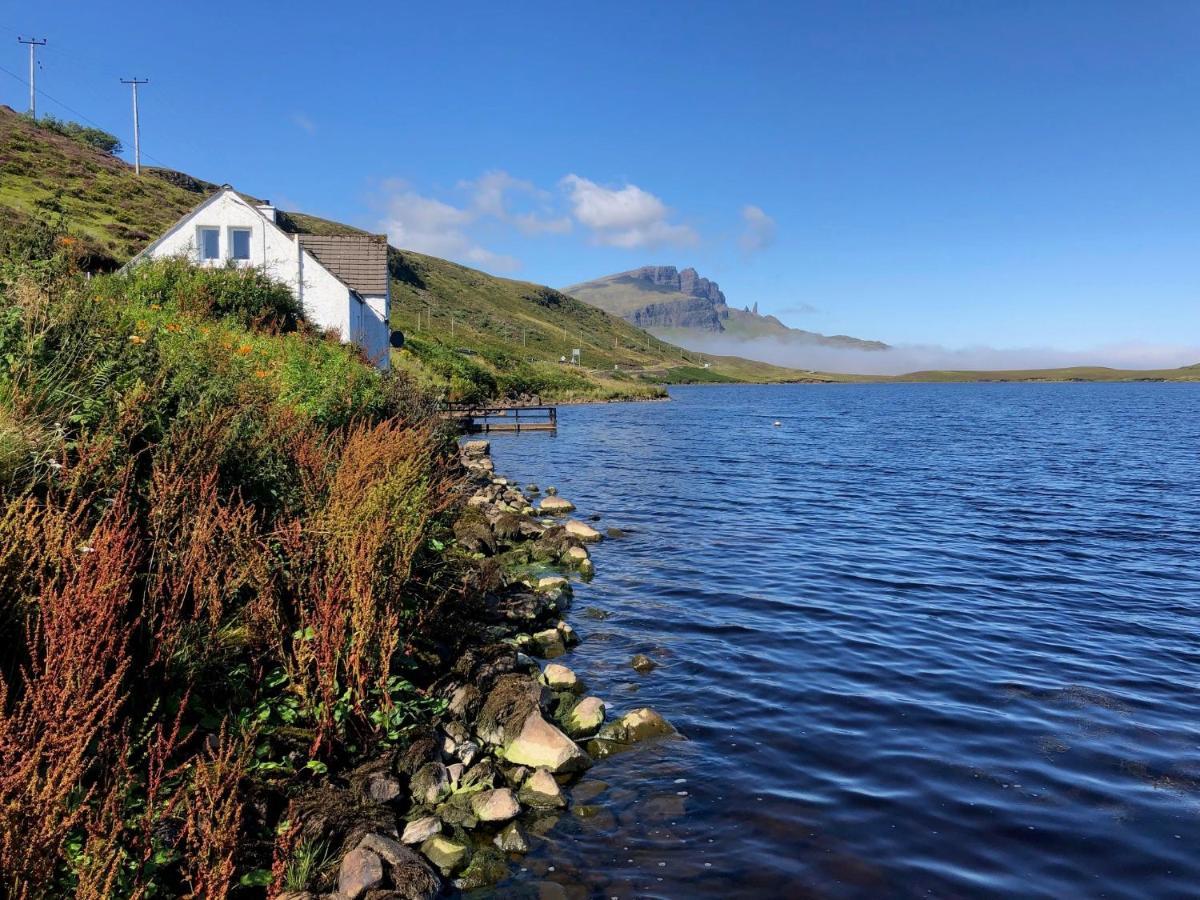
(921, 640)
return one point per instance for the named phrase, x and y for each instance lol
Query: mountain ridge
(668, 300)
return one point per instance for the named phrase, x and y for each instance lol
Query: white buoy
(777, 423)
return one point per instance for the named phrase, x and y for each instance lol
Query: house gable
(329, 302)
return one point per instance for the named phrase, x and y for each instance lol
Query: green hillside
(477, 335)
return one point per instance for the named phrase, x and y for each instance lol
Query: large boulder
(361, 871)
(510, 702)
(473, 533)
(411, 876)
(541, 744)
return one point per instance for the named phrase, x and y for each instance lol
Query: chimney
(267, 209)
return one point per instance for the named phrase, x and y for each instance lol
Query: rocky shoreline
(456, 808)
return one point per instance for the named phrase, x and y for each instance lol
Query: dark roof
(358, 260)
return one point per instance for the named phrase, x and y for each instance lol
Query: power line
(73, 111)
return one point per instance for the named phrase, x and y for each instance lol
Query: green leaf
(256, 878)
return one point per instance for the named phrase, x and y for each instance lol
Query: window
(239, 243)
(210, 243)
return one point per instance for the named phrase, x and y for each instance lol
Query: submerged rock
(448, 855)
(512, 839)
(541, 791)
(632, 728)
(643, 664)
(486, 868)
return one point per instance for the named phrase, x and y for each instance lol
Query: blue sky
(980, 174)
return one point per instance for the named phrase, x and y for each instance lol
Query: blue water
(922, 640)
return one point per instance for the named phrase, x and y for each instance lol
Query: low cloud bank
(918, 357)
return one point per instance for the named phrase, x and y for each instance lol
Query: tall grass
(215, 557)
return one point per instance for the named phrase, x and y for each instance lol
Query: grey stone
(420, 830)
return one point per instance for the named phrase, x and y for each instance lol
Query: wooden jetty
(485, 419)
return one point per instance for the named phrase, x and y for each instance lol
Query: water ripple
(922, 640)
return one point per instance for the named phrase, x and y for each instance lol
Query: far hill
(479, 335)
(682, 304)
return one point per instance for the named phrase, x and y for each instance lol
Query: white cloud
(624, 217)
(304, 123)
(457, 227)
(759, 230)
(427, 225)
(491, 195)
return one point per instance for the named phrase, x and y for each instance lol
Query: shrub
(92, 137)
(211, 520)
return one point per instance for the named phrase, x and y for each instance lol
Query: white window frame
(233, 229)
(201, 230)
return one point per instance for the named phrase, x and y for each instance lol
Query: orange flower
(156, 306)
(244, 349)
(261, 373)
(136, 339)
(172, 326)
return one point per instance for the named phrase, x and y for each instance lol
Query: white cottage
(340, 280)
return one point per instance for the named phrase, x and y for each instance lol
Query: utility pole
(524, 343)
(33, 43)
(137, 139)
